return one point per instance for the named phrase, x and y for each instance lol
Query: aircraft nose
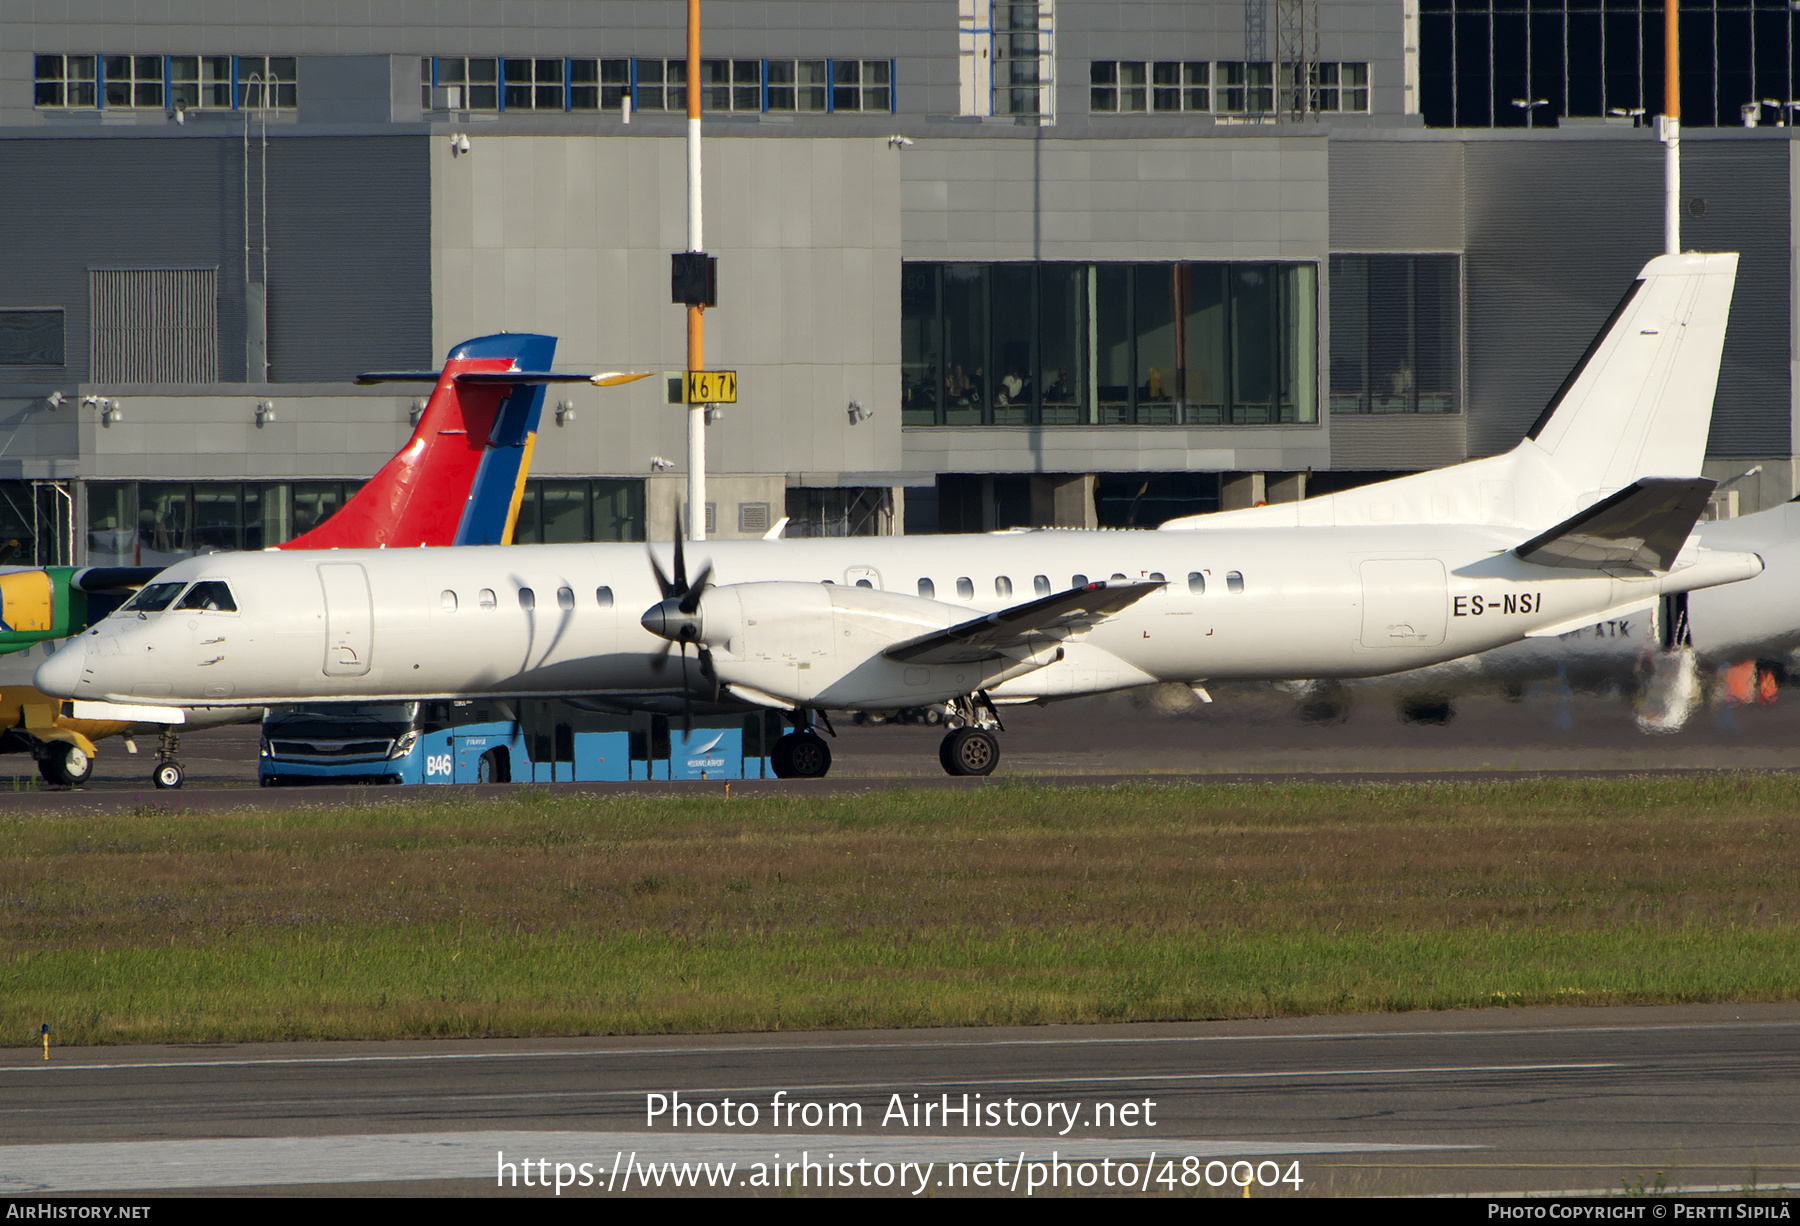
(61, 673)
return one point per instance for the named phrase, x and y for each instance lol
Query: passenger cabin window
(864, 583)
(965, 588)
(1234, 581)
(448, 600)
(603, 597)
(565, 598)
(1041, 585)
(927, 589)
(209, 597)
(527, 598)
(1197, 582)
(1117, 577)
(1156, 576)
(1078, 581)
(1003, 587)
(486, 599)
(153, 597)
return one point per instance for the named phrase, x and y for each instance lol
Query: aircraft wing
(985, 638)
(1643, 527)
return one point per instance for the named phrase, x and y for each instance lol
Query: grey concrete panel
(1197, 191)
(1556, 230)
(1743, 186)
(349, 256)
(787, 298)
(1396, 195)
(1397, 441)
(348, 89)
(1115, 449)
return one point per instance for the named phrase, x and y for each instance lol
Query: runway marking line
(1157, 1078)
(936, 1046)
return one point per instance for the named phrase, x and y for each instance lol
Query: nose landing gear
(168, 771)
(970, 747)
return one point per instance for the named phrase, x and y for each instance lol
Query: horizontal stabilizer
(1641, 527)
(985, 638)
(503, 378)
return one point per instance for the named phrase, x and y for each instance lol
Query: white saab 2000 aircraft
(1587, 518)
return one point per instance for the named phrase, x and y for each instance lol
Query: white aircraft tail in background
(1638, 404)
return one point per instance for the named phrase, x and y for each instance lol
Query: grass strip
(538, 915)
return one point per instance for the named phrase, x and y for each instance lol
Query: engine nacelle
(821, 645)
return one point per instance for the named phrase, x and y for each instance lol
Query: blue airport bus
(485, 741)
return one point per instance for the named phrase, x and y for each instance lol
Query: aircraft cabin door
(1405, 602)
(349, 619)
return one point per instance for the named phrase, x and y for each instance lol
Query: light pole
(1670, 128)
(696, 350)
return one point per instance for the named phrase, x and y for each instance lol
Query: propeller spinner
(677, 618)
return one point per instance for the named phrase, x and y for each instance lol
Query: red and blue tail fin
(459, 478)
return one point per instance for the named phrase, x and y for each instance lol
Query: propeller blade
(662, 580)
(660, 660)
(707, 670)
(687, 714)
(681, 583)
(691, 601)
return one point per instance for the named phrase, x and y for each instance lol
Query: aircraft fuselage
(564, 619)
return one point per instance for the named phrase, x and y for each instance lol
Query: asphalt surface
(1248, 733)
(1504, 1102)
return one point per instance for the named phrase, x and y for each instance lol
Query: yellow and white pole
(1671, 127)
(696, 350)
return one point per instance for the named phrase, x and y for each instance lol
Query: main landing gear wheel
(66, 764)
(168, 775)
(970, 751)
(801, 755)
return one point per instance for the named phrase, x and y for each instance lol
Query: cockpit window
(153, 598)
(212, 596)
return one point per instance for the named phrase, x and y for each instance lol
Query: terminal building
(982, 263)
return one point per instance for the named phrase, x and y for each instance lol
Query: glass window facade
(1022, 60)
(167, 82)
(1490, 63)
(149, 523)
(1396, 334)
(564, 511)
(1224, 88)
(459, 83)
(32, 337)
(1057, 344)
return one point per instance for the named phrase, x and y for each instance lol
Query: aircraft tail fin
(459, 478)
(1638, 404)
